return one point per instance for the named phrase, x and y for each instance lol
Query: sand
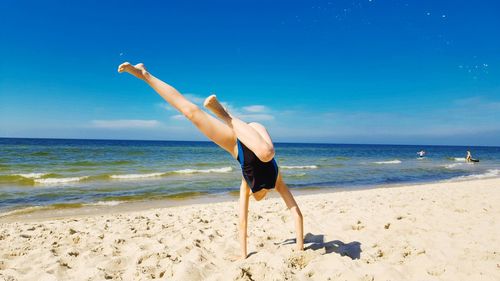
(439, 231)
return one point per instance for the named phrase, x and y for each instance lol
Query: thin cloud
(178, 117)
(125, 124)
(478, 103)
(247, 113)
(165, 106)
(195, 98)
(255, 108)
(250, 113)
(256, 117)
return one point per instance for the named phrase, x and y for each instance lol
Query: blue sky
(403, 72)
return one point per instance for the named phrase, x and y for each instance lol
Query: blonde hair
(259, 195)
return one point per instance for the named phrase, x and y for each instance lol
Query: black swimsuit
(257, 174)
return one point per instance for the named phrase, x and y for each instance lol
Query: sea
(71, 173)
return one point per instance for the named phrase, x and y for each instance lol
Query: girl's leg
(214, 129)
(253, 135)
(294, 208)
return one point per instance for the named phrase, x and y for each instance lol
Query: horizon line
(277, 142)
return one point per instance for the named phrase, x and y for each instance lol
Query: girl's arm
(290, 202)
(243, 217)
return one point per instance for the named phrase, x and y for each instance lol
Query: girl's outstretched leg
(253, 135)
(214, 129)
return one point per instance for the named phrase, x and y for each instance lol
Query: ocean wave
(395, 161)
(195, 171)
(300, 167)
(460, 159)
(455, 165)
(59, 180)
(298, 175)
(51, 178)
(23, 179)
(136, 176)
(32, 175)
(491, 173)
(87, 163)
(343, 158)
(104, 203)
(161, 174)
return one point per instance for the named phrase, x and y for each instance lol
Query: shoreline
(37, 213)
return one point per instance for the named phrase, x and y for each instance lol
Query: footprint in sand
(379, 253)
(374, 256)
(63, 262)
(367, 277)
(73, 253)
(436, 270)
(358, 226)
(111, 275)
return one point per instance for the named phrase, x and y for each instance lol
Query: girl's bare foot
(137, 70)
(212, 104)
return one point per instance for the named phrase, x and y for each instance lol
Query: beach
(335, 140)
(446, 230)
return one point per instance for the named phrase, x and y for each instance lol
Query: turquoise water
(70, 173)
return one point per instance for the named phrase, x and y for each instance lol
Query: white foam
(59, 180)
(492, 173)
(32, 175)
(136, 176)
(462, 159)
(215, 170)
(104, 203)
(396, 161)
(451, 166)
(185, 171)
(300, 167)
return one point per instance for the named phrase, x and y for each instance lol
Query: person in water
(421, 153)
(468, 158)
(248, 143)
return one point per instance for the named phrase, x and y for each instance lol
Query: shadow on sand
(317, 242)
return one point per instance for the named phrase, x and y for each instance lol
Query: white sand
(441, 231)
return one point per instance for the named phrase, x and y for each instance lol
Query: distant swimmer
(469, 158)
(421, 153)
